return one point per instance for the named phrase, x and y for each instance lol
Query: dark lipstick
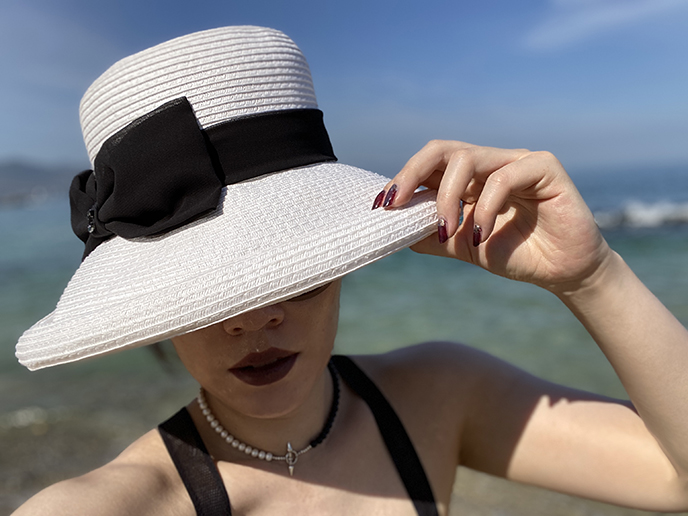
(265, 367)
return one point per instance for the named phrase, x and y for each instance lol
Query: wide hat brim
(270, 239)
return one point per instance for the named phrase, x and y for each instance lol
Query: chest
(258, 495)
(354, 472)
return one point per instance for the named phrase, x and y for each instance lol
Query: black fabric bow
(163, 171)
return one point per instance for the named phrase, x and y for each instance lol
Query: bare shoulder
(450, 383)
(433, 367)
(436, 388)
(452, 378)
(434, 381)
(141, 480)
(452, 368)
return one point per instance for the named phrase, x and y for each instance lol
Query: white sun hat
(215, 192)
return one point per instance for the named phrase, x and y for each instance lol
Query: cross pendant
(291, 457)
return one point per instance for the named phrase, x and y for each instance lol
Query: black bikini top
(207, 491)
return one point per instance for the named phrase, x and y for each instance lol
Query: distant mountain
(22, 182)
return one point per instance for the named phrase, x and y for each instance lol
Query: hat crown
(225, 73)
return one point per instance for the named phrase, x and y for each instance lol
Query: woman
(216, 217)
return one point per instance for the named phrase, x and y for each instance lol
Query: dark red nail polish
(442, 230)
(378, 200)
(391, 194)
(477, 235)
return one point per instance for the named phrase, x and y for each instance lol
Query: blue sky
(601, 83)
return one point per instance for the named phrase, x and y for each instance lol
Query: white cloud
(571, 21)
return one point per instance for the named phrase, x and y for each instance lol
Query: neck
(298, 426)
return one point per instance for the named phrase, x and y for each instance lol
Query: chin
(279, 399)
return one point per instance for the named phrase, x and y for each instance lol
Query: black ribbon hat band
(163, 171)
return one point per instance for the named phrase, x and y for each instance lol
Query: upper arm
(137, 482)
(81, 495)
(526, 429)
(493, 417)
(112, 490)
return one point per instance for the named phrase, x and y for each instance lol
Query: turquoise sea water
(89, 411)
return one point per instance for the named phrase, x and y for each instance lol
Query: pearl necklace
(292, 455)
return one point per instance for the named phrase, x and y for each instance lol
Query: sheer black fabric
(195, 465)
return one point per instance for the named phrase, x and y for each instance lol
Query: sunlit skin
(305, 325)
(459, 406)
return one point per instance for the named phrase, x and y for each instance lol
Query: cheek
(332, 322)
(186, 354)
(182, 349)
(197, 355)
(325, 322)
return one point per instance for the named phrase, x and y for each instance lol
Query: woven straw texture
(225, 73)
(270, 239)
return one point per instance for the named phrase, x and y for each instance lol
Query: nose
(266, 317)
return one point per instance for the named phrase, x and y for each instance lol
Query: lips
(264, 368)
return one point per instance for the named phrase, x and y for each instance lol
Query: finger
(428, 165)
(467, 166)
(457, 175)
(459, 246)
(423, 167)
(514, 178)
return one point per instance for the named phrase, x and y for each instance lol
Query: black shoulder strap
(195, 465)
(393, 433)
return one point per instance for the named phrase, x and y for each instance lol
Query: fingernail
(442, 230)
(378, 200)
(391, 194)
(477, 235)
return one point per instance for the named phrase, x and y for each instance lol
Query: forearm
(646, 345)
